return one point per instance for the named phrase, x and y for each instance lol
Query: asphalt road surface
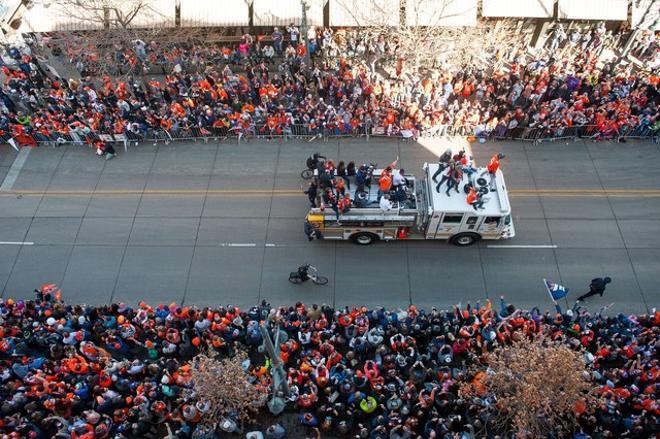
(221, 223)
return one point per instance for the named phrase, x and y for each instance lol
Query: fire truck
(426, 213)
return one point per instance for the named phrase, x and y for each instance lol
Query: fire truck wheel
(364, 238)
(464, 239)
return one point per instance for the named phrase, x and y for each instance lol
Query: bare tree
(539, 387)
(107, 13)
(225, 386)
(426, 33)
(102, 28)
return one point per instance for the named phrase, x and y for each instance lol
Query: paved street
(222, 223)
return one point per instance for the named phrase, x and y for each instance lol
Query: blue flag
(556, 291)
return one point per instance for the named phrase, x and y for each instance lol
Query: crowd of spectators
(354, 86)
(121, 371)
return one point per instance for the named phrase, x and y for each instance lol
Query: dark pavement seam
(270, 209)
(27, 231)
(334, 281)
(128, 240)
(618, 226)
(199, 223)
(483, 270)
(543, 212)
(410, 301)
(334, 247)
(98, 180)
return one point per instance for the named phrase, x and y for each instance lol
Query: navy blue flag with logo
(556, 291)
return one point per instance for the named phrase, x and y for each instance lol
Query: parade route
(221, 223)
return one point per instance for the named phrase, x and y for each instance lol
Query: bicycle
(312, 163)
(309, 273)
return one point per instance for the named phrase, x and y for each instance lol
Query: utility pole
(303, 31)
(177, 13)
(276, 404)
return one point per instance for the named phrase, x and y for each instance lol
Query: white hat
(51, 321)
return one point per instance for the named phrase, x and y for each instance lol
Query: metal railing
(242, 133)
(550, 134)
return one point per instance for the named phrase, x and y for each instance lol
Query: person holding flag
(557, 292)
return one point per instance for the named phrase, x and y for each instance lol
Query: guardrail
(310, 132)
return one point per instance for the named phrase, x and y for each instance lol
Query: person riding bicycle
(307, 272)
(314, 159)
(303, 272)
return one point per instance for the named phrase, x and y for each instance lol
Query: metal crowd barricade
(550, 134)
(135, 137)
(301, 131)
(525, 134)
(528, 134)
(57, 138)
(538, 135)
(4, 138)
(535, 135)
(639, 132)
(589, 132)
(185, 133)
(436, 131)
(9, 139)
(296, 131)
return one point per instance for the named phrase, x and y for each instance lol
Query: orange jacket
(494, 164)
(472, 197)
(385, 181)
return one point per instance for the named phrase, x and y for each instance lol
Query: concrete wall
(364, 12)
(518, 8)
(49, 15)
(283, 12)
(221, 13)
(593, 9)
(441, 13)
(55, 16)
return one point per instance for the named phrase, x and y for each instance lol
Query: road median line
(522, 246)
(514, 193)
